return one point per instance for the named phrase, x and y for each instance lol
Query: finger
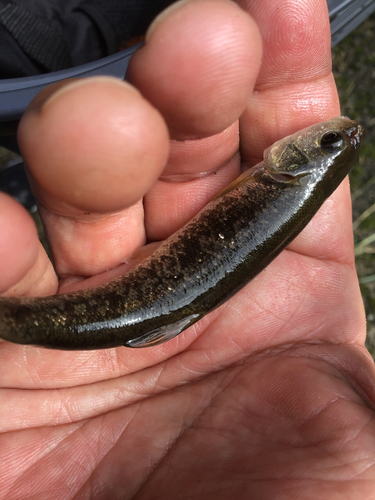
(92, 148)
(91, 129)
(24, 266)
(197, 56)
(198, 67)
(296, 88)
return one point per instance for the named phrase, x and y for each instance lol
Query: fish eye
(332, 141)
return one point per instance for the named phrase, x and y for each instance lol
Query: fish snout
(356, 135)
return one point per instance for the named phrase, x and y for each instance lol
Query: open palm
(271, 395)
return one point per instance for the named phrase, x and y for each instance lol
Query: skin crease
(270, 396)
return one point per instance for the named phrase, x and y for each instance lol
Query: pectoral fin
(244, 177)
(162, 334)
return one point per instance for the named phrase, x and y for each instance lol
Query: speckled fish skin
(207, 261)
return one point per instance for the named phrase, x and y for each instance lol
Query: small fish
(207, 261)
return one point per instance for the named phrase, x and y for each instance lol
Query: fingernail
(52, 92)
(164, 14)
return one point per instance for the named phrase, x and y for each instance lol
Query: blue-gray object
(16, 93)
(346, 15)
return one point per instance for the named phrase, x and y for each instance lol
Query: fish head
(323, 152)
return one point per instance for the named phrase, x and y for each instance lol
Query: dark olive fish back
(207, 261)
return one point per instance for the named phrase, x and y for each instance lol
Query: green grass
(354, 70)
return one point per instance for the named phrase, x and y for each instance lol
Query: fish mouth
(356, 135)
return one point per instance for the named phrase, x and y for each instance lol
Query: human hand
(269, 396)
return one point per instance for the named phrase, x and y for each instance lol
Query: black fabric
(35, 36)
(107, 31)
(128, 18)
(40, 36)
(14, 62)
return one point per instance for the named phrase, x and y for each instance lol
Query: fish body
(204, 263)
